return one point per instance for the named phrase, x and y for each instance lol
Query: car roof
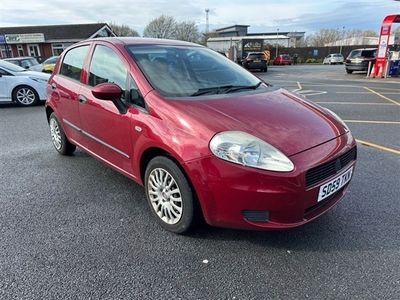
(142, 41)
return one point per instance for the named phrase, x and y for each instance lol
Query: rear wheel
(169, 195)
(58, 137)
(25, 96)
(349, 71)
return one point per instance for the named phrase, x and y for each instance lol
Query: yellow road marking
(372, 122)
(382, 96)
(356, 103)
(379, 147)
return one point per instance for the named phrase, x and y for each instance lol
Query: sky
(261, 15)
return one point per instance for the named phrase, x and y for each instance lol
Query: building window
(5, 51)
(34, 50)
(59, 48)
(20, 50)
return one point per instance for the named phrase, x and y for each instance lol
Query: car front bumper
(232, 195)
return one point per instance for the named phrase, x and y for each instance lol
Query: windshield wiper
(225, 89)
(211, 90)
(243, 87)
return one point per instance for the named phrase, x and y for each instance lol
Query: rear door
(106, 130)
(65, 87)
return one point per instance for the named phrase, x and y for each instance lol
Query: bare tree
(324, 36)
(352, 33)
(123, 30)
(187, 31)
(162, 27)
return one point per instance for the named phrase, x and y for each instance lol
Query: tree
(324, 36)
(187, 31)
(123, 30)
(353, 33)
(162, 27)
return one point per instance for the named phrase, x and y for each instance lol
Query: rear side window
(73, 62)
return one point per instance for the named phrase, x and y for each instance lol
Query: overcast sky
(261, 15)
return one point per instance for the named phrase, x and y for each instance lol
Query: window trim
(83, 65)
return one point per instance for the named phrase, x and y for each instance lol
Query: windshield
(11, 67)
(256, 56)
(190, 71)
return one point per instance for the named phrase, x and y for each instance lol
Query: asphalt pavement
(72, 228)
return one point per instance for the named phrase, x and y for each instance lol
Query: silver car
(332, 59)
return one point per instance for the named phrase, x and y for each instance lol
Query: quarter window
(73, 62)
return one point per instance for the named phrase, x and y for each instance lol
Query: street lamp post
(341, 44)
(277, 42)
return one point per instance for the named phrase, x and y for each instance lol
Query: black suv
(255, 60)
(358, 59)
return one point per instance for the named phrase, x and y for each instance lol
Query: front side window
(106, 66)
(190, 71)
(73, 62)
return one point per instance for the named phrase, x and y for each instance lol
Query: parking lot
(72, 228)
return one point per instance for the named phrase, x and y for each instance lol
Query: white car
(335, 58)
(27, 62)
(21, 86)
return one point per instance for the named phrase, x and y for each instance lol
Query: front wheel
(58, 137)
(169, 195)
(349, 71)
(25, 96)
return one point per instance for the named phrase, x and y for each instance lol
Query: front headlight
(247, 150)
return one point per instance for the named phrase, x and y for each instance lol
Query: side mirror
(107, 91)
(110, 92)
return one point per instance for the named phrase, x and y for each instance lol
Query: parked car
(283, 59)
(24, 87)
(26, 62)
(203, 135)
(359, 59)
(333, 59)
(255, 61)
(49, 64)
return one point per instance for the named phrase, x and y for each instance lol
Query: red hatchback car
(283, 59)
(203, 135)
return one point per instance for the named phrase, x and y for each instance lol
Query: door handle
(82, 99)
(53, 86)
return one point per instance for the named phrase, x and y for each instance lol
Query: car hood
(34, 74)
(284, 120)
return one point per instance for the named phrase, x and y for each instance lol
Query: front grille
(330, 168)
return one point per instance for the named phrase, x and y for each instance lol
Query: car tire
(58, 137)
(265, 69)
(165, 181)
(25, 95)
(349, 71)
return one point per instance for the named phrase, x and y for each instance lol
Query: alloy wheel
(165, 196)
(55, 133)
(26, 96)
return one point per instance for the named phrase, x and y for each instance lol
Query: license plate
(257, 60)
(334, 185)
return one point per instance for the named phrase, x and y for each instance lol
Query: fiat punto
(206, 138)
